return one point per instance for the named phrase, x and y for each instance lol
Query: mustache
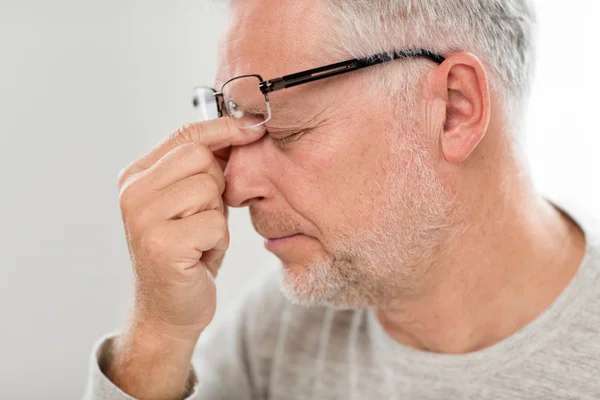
(274, 223)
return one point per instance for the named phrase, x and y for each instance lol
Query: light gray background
(86, 87)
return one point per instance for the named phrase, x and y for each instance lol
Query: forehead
(273, 38)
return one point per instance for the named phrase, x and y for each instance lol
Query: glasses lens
(205, 103)
(242, 98)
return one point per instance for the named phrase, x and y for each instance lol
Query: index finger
(214, 134)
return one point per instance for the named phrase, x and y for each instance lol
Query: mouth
(276, 244)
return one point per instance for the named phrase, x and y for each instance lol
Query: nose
(245, 180)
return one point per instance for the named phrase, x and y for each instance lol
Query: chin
(296, 278)
(295, 269)
(315, 284)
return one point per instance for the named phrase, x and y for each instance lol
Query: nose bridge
(245, 176)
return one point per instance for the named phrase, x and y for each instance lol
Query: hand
(176, 225)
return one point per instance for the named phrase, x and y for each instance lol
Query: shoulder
(588, 221)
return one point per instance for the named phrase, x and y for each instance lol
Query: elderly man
(417, 260)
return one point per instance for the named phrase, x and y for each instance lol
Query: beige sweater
(271, 349)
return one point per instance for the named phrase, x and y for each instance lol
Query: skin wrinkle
(347, 275)
(311, 124)
(440, 250)
(287, 110)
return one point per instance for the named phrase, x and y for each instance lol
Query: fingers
(215, 134)
(186, 197)
(183, 242)
(180, 163)
(176, 223)
(213, 259)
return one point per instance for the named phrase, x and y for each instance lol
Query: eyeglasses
(248, 95)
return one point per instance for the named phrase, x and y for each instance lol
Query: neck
(506, 268)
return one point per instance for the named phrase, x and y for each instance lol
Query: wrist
(146, 362)
(157, 337)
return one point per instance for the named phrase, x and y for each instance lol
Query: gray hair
(499, 32)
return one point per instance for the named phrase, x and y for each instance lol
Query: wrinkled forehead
(273, 38)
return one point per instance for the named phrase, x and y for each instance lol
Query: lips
(277, 237)
(282, 244)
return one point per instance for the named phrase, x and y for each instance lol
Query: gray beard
(393, 255)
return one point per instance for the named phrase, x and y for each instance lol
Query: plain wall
(87, 87)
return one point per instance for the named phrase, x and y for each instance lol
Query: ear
(459, 105)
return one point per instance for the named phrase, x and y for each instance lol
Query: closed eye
(287, 138)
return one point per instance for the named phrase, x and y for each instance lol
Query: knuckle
(221, 231)
(221, 207)
(203, 187)
(122, 175)
(204, 155)
(125, 197)
(190, 133)
(226, 238)
(125, 174)
(128, 187)
(204, 191)
(209, 185)
(182, 134)
(201, 155)
(218, 221)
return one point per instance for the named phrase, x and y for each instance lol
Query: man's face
(356, 182)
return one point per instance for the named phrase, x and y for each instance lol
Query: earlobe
(461, 82)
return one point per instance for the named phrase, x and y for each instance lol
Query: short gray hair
(499, 32)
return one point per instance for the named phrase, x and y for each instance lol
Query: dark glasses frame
(324, 72)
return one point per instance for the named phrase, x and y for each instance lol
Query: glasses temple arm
(341, 68)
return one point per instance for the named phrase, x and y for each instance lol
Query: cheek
(310, 184)
(334, 187)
